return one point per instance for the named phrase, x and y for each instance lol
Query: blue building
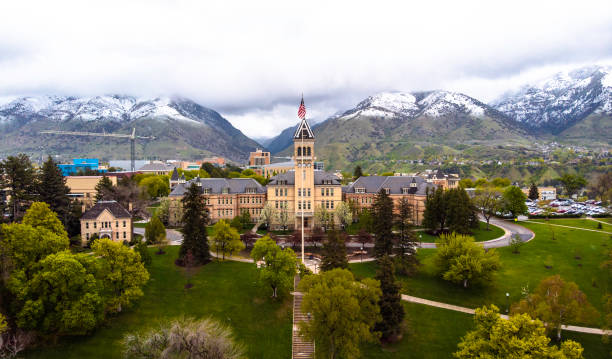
(80, 164)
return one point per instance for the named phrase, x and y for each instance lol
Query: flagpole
(302, 190)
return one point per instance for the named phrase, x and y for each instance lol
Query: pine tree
(195, 218)
(73, 226)
(406, 249)
(460, 211)
(357, 173)
(334, 251)
(104, 189)
(533, 192)
(390, 303)
(434, 217)
(382, 215)
(52, 190)
(17, 175)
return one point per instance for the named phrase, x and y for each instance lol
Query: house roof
(113, 207)
(303, 131)
(175, 175)
(373, 184)
(319, 177)
(216, 185)
(156, 167)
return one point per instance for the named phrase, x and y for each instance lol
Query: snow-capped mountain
(556, 104)
(432, 104)
(179, 125)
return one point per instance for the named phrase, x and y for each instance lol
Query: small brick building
(107, 219)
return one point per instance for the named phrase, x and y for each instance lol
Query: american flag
(302, 110)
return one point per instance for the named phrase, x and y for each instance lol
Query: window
(276, 202)
(95, 224)
(86, 225)
(360, 190)
(285, 192)
(87, 236)
(123, 224)
(299, 204)
(309, 192)
(308, 204)
(387, 190)
(332, 204)
(331, 191)
(124, 235)
(299, 192)
(326, 204)
(116, 224)
(322, 192)
(327, 191)
(276, 191)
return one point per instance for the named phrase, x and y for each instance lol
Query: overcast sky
(252, 60)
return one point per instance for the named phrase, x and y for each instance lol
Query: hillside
(181, 127)
(411, 125)
(573, 105)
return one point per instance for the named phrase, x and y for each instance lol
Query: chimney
(129, 206)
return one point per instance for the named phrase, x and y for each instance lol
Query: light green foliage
(466, 183)
(3, 323)
(184, 338)
(461, 260)
(163, 211)
(122, 274)
(155, 186)
(279, 266)
(24, 245)
(225, 239)
(514, 201)
(572, 183)
(321, 216)
(268, 214)
(155, 232)
(557, 302)
(344, 312)
(61, 297)
(39, 215)
(343, 214)
(143, 251)
(481, 182)
(500, 182)
(518, 337)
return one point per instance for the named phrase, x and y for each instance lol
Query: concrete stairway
(301, 347)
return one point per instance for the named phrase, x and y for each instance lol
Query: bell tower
(303, 155)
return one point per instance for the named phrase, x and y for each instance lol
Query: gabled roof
(113, 207)
(157, 167)
(395, 184)
(304, 130)
(175, 175)
(216, 185)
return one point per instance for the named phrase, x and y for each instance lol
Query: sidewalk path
(431, 303)
(560, 225)
(174, 237)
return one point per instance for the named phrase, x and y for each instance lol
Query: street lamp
(507, 302)
(362, 252)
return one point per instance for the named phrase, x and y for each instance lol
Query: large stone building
(83, 188)
(301, 190)
(107, 219)
(225, 198)
(363, 191)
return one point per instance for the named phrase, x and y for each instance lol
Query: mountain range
(181, 127)
(571, 106)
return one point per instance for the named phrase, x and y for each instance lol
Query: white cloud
(251, 60)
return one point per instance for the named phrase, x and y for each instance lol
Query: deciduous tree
(343, 214)
(225, 239)
(344, 312)
(268, 214)
(489, 201)
(557, 302)
(572, 183)
(334, 251)
(461, 260)
(514, 201)
(518, 337)
(279, 265)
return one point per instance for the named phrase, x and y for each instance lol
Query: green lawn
(480, 235)
(226, 291)
(578, 222)
(140, 225)
(520, 270)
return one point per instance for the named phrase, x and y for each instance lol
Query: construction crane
(132, 138)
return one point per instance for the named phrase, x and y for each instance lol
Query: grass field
(579, 222)
(520, 270)
(480, 235)
(226, 291)
(433, 333)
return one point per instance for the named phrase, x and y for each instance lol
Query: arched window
(299, 151)
(308, 151)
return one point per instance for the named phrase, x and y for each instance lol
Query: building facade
(107, 219)
(545, 193)
(225, 198)
(83, 188)
(81, 165)
(301, 190)
(363, 191)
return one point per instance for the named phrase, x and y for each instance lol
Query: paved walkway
(301, 348)
(174, 237)
(431, 303)
(579, 228)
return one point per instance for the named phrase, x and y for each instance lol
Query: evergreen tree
(73, 226)
(334, 251)
(195, 218)
(357, 173)
(406, 249)
(52, 190)
(390, 303)
(382, 215)
(18, 176)
(460, 210)
(105, 190)
(533, 192)
(435, 213)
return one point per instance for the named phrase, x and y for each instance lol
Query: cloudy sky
(252, 60)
